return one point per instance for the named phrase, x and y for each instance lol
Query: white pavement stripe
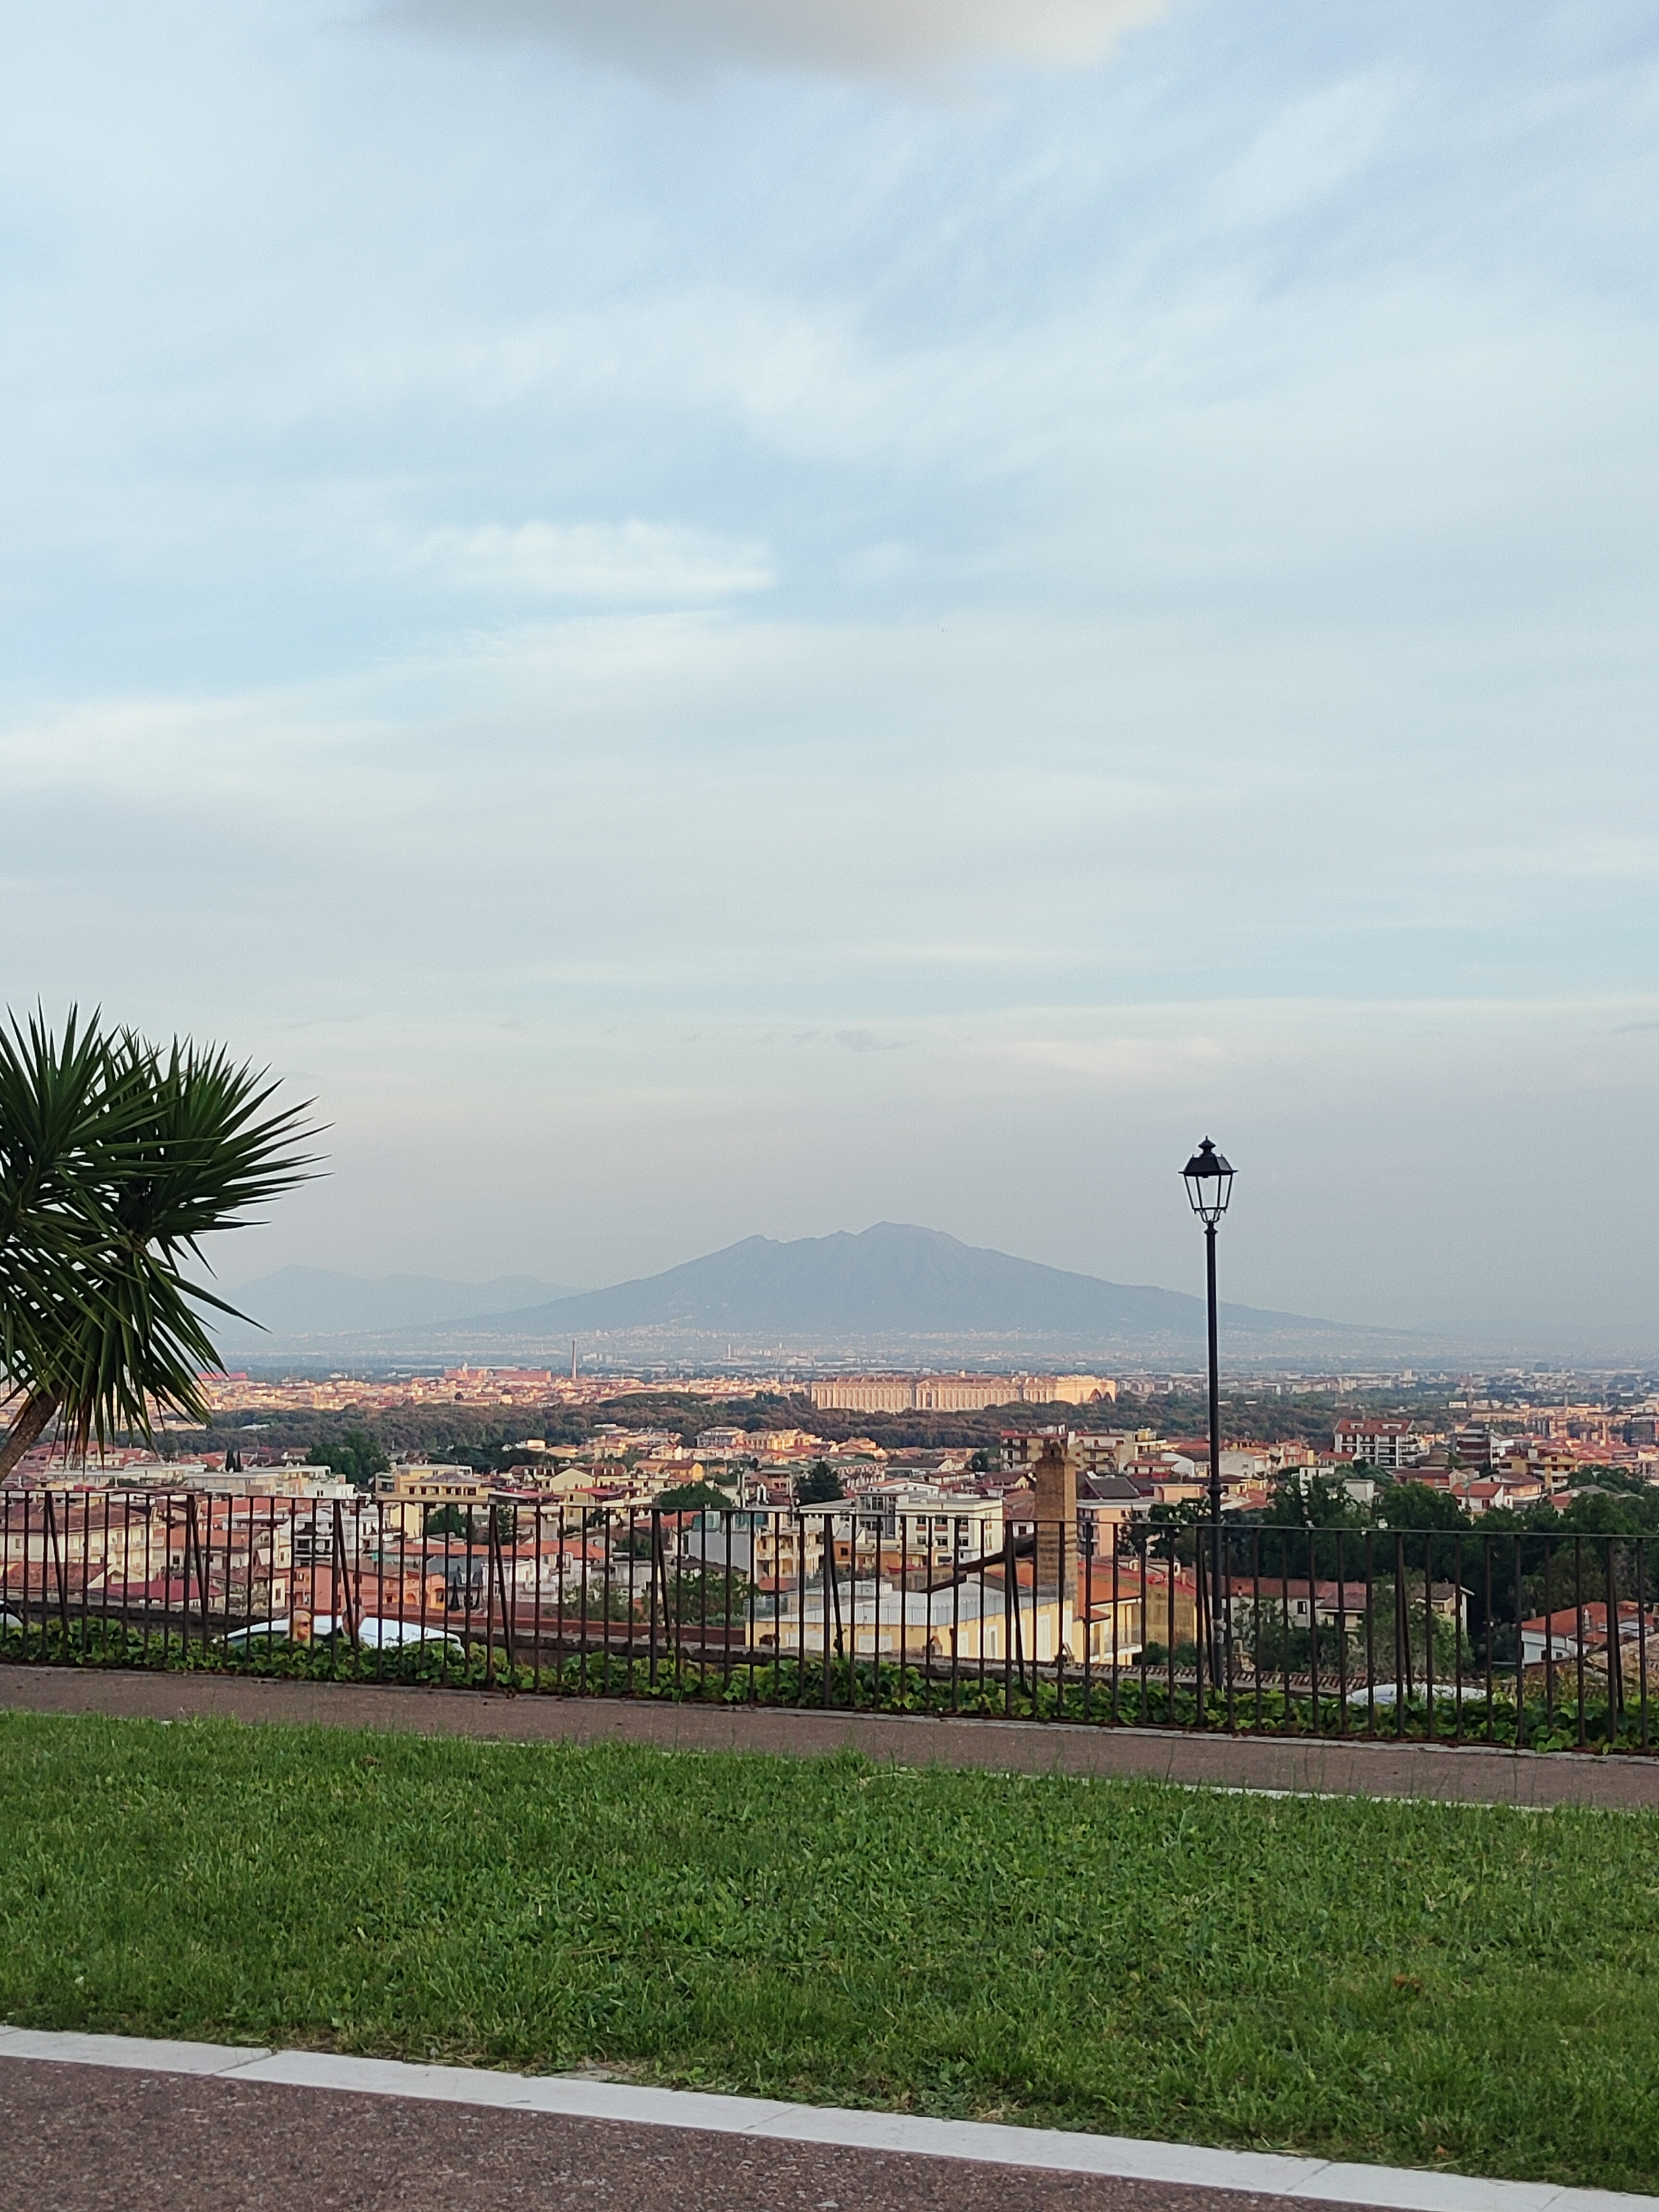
(1399, 2188)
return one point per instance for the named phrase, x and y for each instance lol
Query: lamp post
(1209, 1181)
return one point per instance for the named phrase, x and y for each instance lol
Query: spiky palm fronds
(105, 1195)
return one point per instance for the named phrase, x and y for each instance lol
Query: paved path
(103, 2124)
(1471, 1773)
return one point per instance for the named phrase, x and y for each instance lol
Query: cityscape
(828, 1344)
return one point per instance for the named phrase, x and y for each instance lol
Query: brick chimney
(1055, 1478)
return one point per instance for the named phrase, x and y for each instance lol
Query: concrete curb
(980, 2142)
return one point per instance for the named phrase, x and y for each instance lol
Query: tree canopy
(357, 1454)
(693, 1498)
(819, 1485)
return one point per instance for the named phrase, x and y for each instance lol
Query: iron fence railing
(1539, 1639)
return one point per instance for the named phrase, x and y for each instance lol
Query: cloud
(866, 1040)
(636, 562)
(843, 38)
(1316, 145)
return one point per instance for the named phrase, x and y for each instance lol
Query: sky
(717, 616)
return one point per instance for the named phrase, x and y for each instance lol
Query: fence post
(1615, 1639)
(59, 1575)
(499, 1561)
(341, 1575)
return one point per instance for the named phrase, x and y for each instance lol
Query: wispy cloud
(850, 38)
(636, 563)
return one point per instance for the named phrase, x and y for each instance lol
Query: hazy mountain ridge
(891, 1279)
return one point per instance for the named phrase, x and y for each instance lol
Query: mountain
(307, 1302)
(896, 1284)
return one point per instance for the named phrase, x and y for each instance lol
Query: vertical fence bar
(1170, 1563)
(1203, 1625)
(342, 1583)
(1342, 1639)
(826, 1526)
(1117, 1715)
(1283, 1546)
(60, 1575)
(1019, 1617)
(929, 1645)
(561, 1590)
(726, 1622)
(1457, 1637)
(1255, 1626)
(1010, 1614)
(508, 1643)
(1640, 1548)
(1549, 1642)
(956, 1613)
(1485, 1546)
(1312, 1631)
(1615, 1641)
(1578, 1616)
(193, 1566)
(165, 1504)
(447, 1599)
(86, 1567)
(1086, 1563)
(582, 1673)
(1064, 1606)
(752, 1601)
(904, 1522)
(1227, 1546)
(611, 1600)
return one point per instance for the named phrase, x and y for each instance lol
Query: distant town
(1485, 1444)
(1057, 1526)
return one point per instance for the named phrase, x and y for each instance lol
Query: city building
(1381, 1443)
(956, 1394)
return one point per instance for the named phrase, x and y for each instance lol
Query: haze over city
(727, 620)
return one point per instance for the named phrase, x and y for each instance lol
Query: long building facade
(957, 1394)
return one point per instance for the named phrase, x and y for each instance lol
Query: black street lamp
(1209, 1182)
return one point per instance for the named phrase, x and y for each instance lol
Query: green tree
(1416, 1505)
(693, 1498)
(714, 1595)
(116, 1159)
(1299, 1532)
(819, 1485)
(357, 1455)
(470, 1524)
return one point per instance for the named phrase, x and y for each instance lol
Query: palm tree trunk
(38, 1409)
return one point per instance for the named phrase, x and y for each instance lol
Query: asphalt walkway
(1472, 1774)
(103, 2124)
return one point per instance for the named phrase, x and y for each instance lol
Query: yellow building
(404, 1493)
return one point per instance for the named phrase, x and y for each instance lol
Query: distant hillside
(308, 1302)
(893, 1283)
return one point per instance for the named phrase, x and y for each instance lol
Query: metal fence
(1542, 1640)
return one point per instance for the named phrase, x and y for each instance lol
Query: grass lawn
(1472, 1988)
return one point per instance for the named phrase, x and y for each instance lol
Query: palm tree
(116, 1159)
